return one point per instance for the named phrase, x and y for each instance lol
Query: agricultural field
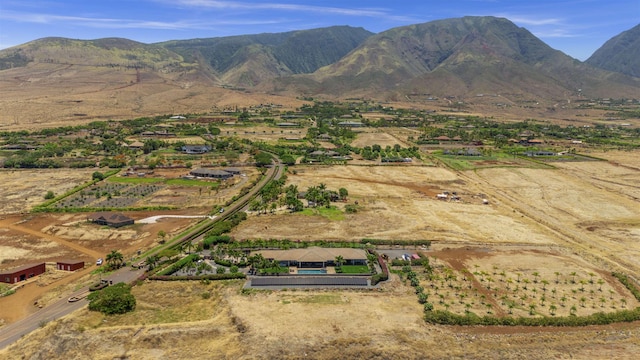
(270, 134)
(519, 283)
(23, 189)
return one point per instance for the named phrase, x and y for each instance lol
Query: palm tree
(552, 309)
(339, 260)
(583, 300)
(532, 309)
(114, 259)
(557, 277)
(152, 261)
(573, 277)
(573, 310)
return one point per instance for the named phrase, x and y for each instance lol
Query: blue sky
(576, 27)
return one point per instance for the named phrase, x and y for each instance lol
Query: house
(287, 124)
(107, 218)
(177, 117)
(315, 257)
(195, 149)
(350, 124)
(69, 265)
(136, 145)
(12, 276)
(211, 173)
(233, 171)
(539, 153)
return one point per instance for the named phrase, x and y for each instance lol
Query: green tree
(339, 260)
(116, 299)
(263, 159)
(152, 261)
(288, 159)
(343, 193)
(97, 176)
(115, 259)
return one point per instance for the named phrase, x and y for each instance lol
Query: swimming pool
(313, 271)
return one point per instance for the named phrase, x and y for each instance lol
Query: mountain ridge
(453, 58)
(620, 53)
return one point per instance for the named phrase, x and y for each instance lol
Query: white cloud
(111, 23)
(239, 5)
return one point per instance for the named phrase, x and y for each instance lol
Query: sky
(575, 27)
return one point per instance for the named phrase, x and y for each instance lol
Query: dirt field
(269, 134)
(399, 202)
(369, 137)
(42, 97)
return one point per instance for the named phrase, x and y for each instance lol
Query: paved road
(12, 332)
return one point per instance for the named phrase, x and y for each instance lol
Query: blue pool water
(319, 271)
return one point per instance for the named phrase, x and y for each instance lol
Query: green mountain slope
(249, 59)
(620, 54)
(462, 56)
(115, 52)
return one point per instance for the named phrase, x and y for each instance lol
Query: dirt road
(11, 224)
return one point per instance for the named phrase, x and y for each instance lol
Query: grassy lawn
(355, 269)
(192, 182)
(273, 270)
(332, 213)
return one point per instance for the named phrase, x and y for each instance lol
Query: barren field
(48, 95)
(398, 202)
(269, 134)
(369, 137)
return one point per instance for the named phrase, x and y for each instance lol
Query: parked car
(99, 262)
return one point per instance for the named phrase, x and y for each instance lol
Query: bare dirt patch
(399, 203)
(370, 137)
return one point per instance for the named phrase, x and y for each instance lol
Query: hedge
(226, 276)
(396, 242)
(447, 318)
(178, 265)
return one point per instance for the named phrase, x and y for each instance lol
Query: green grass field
(355, 269)
(332, 213)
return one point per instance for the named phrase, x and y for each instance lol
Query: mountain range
(458, 57)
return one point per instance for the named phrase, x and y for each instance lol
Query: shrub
(178, 265)
(116, 299)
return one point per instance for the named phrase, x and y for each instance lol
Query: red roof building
(12, 276)
(69, 265)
